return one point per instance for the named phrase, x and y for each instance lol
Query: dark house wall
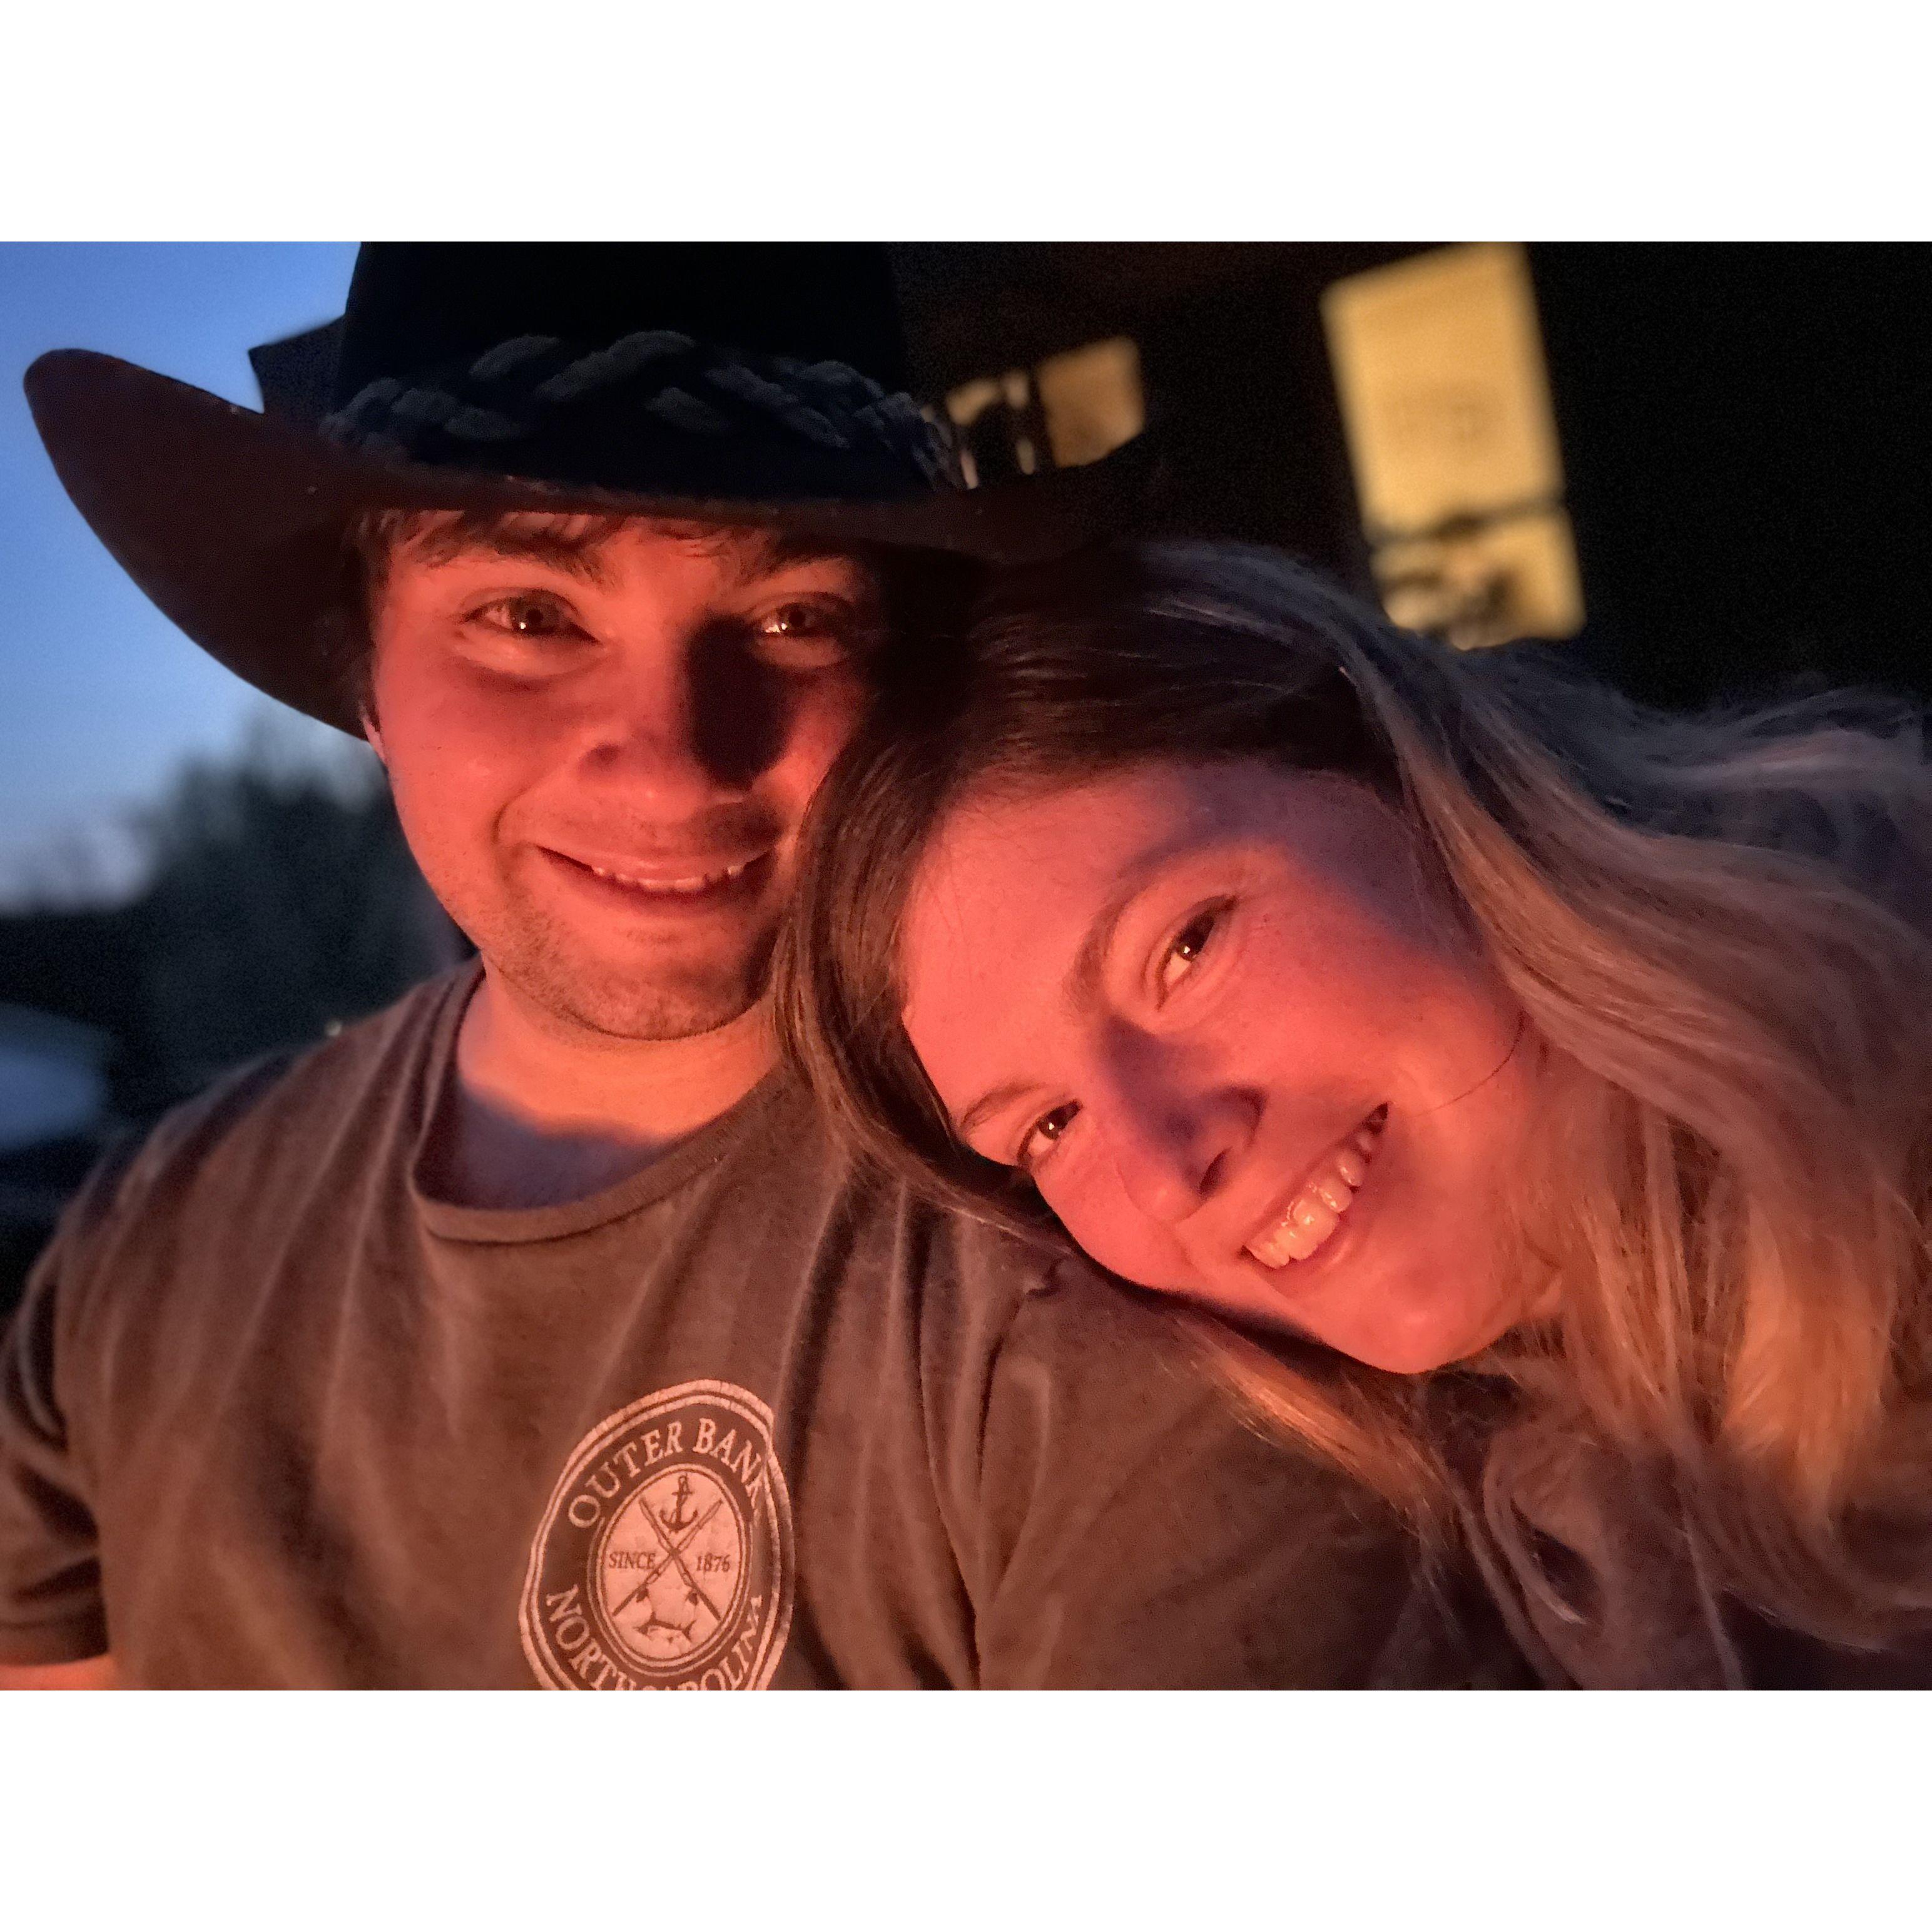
(1747, 431)
(1748, 434)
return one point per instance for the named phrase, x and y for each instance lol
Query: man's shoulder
(1059, 1345)
(1122, 1356)
(277, 1111)
(1041, 1294)
(1009, 1315)
(1125, 1519)
(975, 1285)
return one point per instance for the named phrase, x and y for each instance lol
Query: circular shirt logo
(664, 1561)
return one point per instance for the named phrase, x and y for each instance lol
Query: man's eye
(1045, 1132)
(1185, 949)
(806, 634)
(535, 617)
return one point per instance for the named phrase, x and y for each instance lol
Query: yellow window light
(1093, 401)
(1090, 402)
(1445, 402)
(971, 401)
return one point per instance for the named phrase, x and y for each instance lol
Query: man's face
(601, 742)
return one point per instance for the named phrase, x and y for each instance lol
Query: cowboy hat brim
(232, 521)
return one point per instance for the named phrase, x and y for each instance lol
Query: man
(534, 1331)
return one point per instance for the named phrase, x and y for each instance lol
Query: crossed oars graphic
(673, 1553)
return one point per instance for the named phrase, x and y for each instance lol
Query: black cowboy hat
(732, 382)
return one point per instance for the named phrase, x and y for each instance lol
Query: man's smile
(674, 887)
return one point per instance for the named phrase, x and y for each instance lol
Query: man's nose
(1174, 1139)
(687, 713)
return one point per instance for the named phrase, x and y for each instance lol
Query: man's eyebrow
(580, 557)
(750, 551)
(765, 552)
(747, 554)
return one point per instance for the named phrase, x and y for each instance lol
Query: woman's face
(1243, 1052)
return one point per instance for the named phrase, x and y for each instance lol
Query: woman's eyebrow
(1081, 989)
(988, 1103)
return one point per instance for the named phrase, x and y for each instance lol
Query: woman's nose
(1174, 1150)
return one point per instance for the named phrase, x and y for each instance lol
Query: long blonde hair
(1715, 925)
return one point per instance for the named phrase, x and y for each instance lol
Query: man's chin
(665, 1017)
(627, 1002)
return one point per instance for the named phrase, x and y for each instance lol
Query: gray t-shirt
(271, 1415)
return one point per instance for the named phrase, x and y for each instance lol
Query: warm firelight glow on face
(602, 749)
(1243, 1054)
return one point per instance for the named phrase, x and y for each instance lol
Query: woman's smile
(1316, 1208)
(1214, 1013)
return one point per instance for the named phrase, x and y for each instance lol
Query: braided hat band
(658, 412)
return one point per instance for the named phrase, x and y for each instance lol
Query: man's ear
(366, 716)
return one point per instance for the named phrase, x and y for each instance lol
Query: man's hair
(1718, 930)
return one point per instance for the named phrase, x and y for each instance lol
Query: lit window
(1074, 408)
(1438, 363)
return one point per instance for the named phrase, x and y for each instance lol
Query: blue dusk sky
(101, 698)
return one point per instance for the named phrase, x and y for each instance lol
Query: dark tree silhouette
(282, 899)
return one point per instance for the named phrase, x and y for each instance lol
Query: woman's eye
(1186, 947)
(535, 617)
(1041, 1136)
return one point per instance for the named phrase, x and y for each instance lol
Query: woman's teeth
(1326, 1196)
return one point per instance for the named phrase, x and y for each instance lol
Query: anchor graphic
(677, 1515)
(673, 1553)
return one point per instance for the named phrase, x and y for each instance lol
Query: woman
(1549, 1082)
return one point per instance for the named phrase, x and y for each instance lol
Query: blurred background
(1700, 470)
